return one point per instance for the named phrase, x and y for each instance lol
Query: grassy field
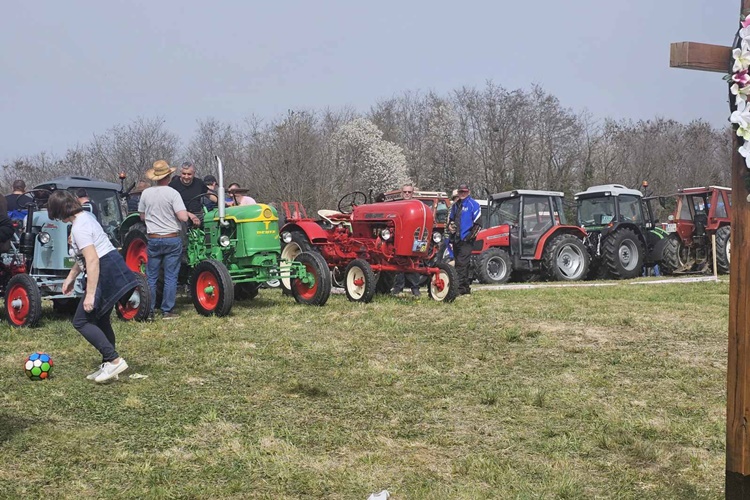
(608, 392)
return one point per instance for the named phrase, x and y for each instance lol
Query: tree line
(493, 138)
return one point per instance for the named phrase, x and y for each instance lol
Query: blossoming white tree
(370, 161)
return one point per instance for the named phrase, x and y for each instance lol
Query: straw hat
(160, 170)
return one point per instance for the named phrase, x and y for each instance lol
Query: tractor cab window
(699, 204)
(630, 209)
(685, 213)
(441, 213)
(559, 211)
(110, 210)
(721, 209)
(537, 217)
(506, 211)
(596, 211)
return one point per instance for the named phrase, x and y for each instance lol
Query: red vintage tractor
(528, 236)
(701, 212)
(362, 242)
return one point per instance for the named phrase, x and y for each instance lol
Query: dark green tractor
(231, 254)
(621, 234)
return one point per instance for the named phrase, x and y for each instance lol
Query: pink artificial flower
(746, 22)
(741, 78)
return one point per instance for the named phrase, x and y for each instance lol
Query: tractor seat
(333, 216)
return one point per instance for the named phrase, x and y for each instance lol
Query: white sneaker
(92, 376)
(110, 370)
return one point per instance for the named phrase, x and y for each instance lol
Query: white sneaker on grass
(92, 376)
(111, 370)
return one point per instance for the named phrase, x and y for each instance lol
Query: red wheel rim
(303, 290)
(137, 256)
(18, 316)
(209, 300)
(130, 309)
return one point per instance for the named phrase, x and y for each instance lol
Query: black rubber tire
(246, 291)
(598, 271)
(673, 258)
(723, 249)
(289, 251)
(450, 283)
(624, 263)
(135, 235)
(321, 289)
(566, 258)
(356, 270)
(212, 273)
(138, 305)
(493, 266)
(385, 282)
(23, 287)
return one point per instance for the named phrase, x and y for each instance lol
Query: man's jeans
(166, 253)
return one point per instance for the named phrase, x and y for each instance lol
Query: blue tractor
(35, 264)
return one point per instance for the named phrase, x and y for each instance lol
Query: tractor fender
(129, 222)
(311, 229)
(552, 233)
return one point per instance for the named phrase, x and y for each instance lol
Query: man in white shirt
(162, 209)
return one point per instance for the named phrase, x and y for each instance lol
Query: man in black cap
(464, 222)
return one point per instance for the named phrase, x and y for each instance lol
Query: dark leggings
(97, 331)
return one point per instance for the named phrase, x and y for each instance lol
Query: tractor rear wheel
(213, 291)
(317, 293)
(723, 248)
(493, 266)
(23, 302)
(359, 281)
(138, 305)
(566, 258)
(135, 248)
(623, 254)
(246, 291)
(676, 257)
(443, 286)
(289, 251)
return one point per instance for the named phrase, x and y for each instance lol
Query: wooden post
(737, 482)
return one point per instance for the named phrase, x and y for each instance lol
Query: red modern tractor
(527, 235)
(701, 212)
(362, 242)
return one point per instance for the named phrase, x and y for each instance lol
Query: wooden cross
(706, 57)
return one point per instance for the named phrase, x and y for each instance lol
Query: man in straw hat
(162, 208)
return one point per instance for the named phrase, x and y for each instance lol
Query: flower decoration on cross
(740, 88)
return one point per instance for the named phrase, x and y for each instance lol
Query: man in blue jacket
(464, 222)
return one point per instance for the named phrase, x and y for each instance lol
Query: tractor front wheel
(135, 248)
(213, 291)
(317, 292)
(493, 266)
(359, 281)
(289, 251)
(723, 249)
(138, 305)
(443, 285)
(23, 302)
(624, 253)
(566, 258)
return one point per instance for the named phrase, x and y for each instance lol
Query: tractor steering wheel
(351, 200)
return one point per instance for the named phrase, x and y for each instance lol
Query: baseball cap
(463, 187)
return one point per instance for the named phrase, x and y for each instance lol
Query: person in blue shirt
(464, 222)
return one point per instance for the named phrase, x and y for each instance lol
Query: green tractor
(233, 252)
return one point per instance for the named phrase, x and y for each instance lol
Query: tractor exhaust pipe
(220, 200)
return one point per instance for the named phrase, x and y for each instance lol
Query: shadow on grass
(11, 425)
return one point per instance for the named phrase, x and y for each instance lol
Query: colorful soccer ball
(38, 366)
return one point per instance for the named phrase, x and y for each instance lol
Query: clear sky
(69, 69)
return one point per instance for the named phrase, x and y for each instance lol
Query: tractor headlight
(44, 237)
(286, 237)
(224, 240)
(385, 234)
(437, 237)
